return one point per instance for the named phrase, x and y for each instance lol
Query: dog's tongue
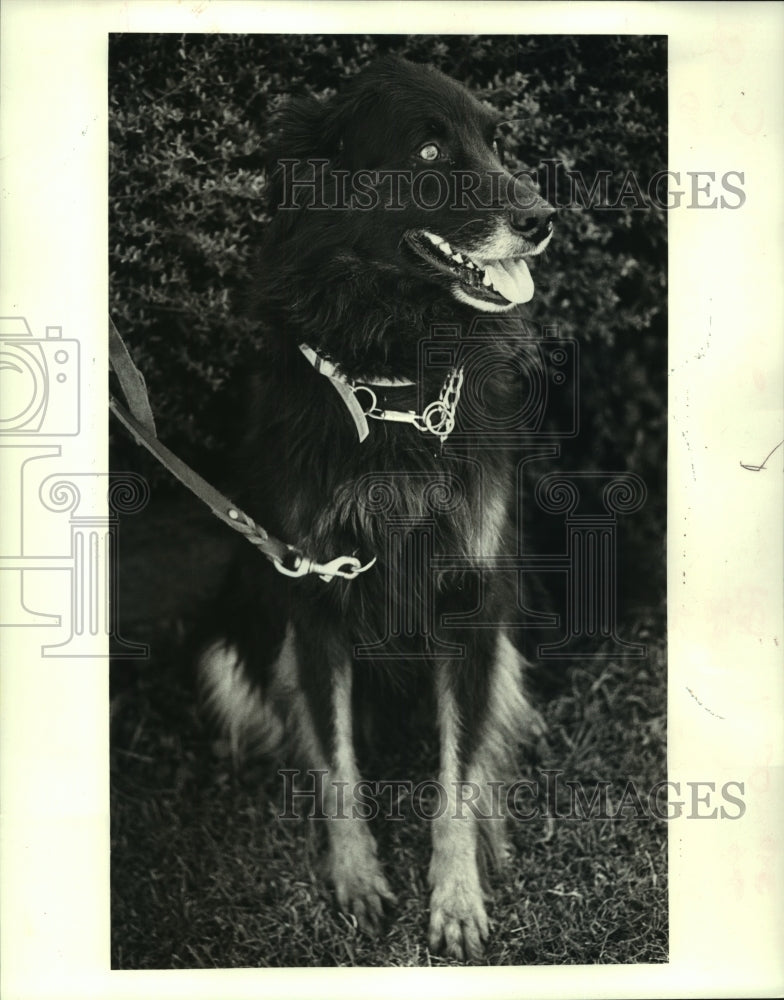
(512, 279)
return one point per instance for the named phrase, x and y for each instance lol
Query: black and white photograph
(391, 434)
(376, 283)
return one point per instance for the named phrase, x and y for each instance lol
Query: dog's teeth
(458, 257)
(486, 280)
(433, 238)
(471, 264)
(446, 248)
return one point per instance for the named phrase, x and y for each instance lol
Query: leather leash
(138, 421)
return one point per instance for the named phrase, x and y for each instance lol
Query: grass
(204, 875)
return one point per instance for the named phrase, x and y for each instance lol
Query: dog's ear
(312, 129)
(307, 128)
(303, 132)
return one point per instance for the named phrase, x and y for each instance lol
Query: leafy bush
(190, 118)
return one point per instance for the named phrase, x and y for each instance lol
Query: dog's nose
(534, 223)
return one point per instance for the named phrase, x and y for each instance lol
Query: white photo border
(726, 687)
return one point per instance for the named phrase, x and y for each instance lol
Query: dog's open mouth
(499, 283)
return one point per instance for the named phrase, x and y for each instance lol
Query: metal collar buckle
(437, 418)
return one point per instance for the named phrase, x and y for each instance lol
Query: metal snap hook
(346, 567)
(338, 567)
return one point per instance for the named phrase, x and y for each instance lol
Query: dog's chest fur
(334, 494)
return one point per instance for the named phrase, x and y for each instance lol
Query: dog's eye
(430, 152)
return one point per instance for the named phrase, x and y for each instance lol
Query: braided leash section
(289, 561)
(286, 559)
(255, 534)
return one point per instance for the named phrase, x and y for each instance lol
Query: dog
(394, 218)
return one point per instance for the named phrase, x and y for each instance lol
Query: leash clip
(337, 567)
(346, 567)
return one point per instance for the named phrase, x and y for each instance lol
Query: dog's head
(411, 160)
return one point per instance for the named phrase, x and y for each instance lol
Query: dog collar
(437, 418)
(326, 367)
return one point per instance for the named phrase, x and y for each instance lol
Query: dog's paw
(360, 886)
(458, 920)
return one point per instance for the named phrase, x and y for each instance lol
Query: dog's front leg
(352, 864)
(354, 869)
(458, 921)
(482, 715)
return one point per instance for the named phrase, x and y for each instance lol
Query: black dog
(395, 220)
